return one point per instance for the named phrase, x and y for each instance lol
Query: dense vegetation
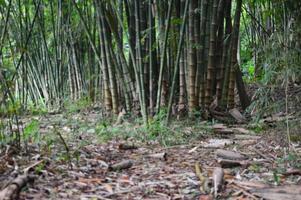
(148, 70)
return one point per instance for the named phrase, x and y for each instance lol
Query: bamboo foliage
(125, 54)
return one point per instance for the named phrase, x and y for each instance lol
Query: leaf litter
(236, 165)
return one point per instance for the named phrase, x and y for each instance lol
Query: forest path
(85, 168)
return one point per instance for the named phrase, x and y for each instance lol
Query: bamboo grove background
(140, 55)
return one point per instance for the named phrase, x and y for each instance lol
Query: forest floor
(79, 156)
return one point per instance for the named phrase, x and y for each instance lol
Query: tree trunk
(192, 58)
(234, 65)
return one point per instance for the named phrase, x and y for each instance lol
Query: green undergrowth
(283, 164)
(257, 126)
(178, 132)
(293, 126)
(36, 109)
(78, 105)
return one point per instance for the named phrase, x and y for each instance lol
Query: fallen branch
(263, 155)
(127, 146)
(292, 172)
(276, 118)
(245, 192)
(217, 143)
(224, 131)
(248, 185)
(289, 192)
(162, 156)
(218, 179)
(221, 129)
(243, 131)
(226, 163)
(121, 165)
(12, 190)
(246, 137)
(231, 155)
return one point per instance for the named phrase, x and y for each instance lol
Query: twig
(203, 179)
(262, 155)
(65, 146)
(27, 169)
(244, 191)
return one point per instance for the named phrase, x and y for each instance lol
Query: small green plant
(156, 125)
(263, 104)
(2, 134)
(48, 141)
(105, 131)
(276, 178)
(102, 130)
(249, 71)
(76, 154)
(254, 168)
(10, 108)
(291, 159)
(65, 156)
(39, 168)
(37, 109)
(31, 131)
(257, 127)
(294, 160)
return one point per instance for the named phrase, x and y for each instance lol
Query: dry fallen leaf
(90, 180)
(206, 197)
(109, 188)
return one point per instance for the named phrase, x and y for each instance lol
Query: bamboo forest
(150, 99)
